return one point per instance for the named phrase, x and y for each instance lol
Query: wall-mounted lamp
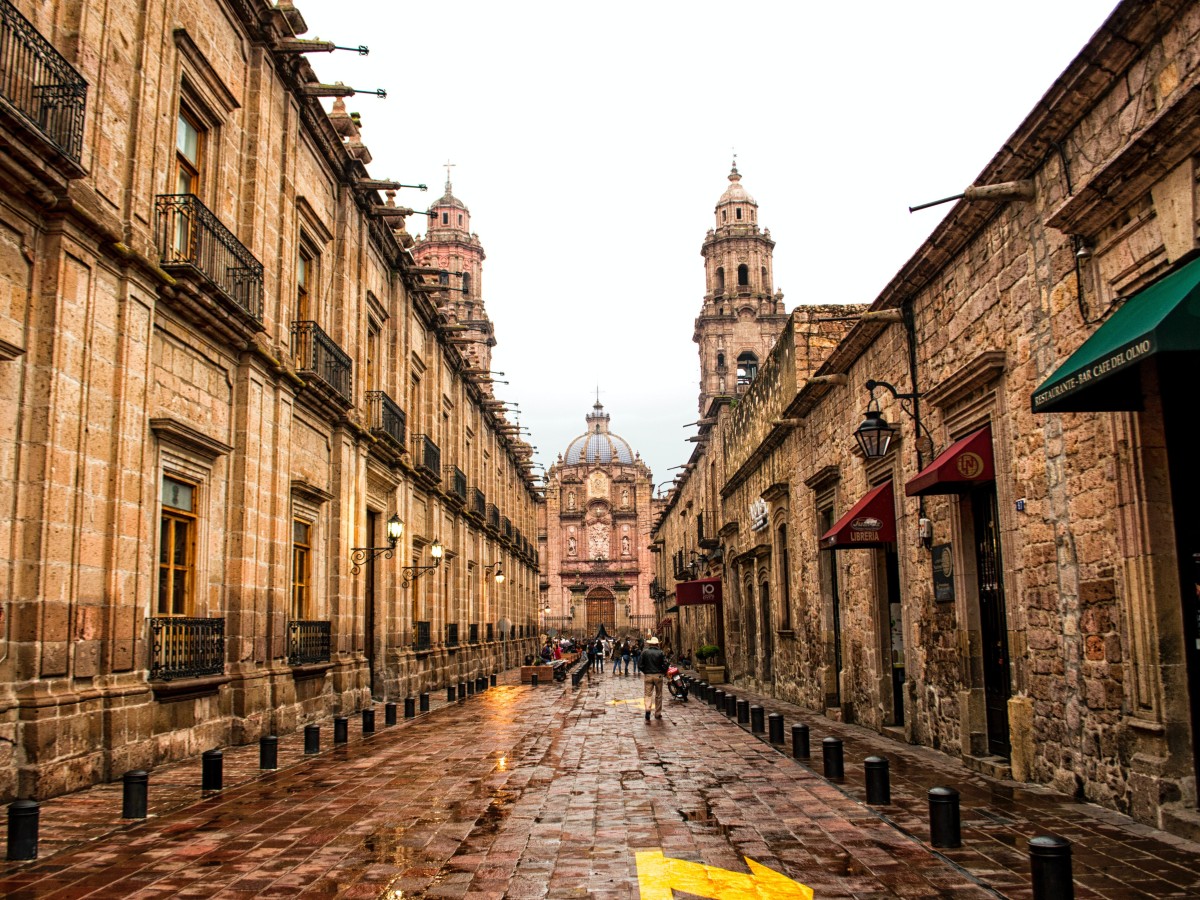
(1082, 246)
(874, 433)
(409, 574)
(361, 555)
(496, 568)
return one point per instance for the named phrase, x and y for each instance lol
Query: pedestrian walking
(654, 667)
(636, 654)
(616, 658)
(627, 654)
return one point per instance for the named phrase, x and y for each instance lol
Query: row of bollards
(1049, 856)
(24, 815)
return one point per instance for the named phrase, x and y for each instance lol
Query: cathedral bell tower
(742, 316)
(450, 247)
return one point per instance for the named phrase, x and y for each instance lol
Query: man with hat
(654, 667)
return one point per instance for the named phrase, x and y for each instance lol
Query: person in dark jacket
(654, 667)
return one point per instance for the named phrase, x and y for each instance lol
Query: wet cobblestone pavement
(552, 792)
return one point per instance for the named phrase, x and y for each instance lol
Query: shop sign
(943, 573)
(865, 528)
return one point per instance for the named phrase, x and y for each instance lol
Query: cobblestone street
(552, 792)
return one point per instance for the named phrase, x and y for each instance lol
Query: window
(766, 282)
(747, 368)
(466, 283)
(737, 213)
(785, 577)
(743, 275)
(720, 279)
(301, 568)
(445, 218)
(460, 221)
(724, 215)
(372, 357)
(720, 362)
(305, 280)
(189, 146)
(176, 551)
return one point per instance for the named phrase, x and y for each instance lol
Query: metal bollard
(341, 729)
(800, 742)
(471, 685)
(834, 758)
(133, 794)
(756, 719)
(368, 721)
(731, 704)
(702, 690)
(450, 694)
(23, 829)
(410, 707)
(424, 702)
(480, 684)
(389, 712)
(743, 712)
(312, 738)
(775, 728)
(1050, 865)
(268, 752)
(944, 824)
(717, 699)
(212, 770)
(879, 785)
(492, 679)
(462, 690)
(533, 680)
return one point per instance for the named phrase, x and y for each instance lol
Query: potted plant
(709, 656)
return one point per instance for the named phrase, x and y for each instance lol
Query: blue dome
(597, 445)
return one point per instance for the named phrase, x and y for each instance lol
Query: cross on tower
(449, 165)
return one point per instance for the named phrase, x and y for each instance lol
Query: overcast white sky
(591, 143)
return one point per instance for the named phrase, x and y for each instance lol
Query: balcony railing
(422, 641)
(452, 634)
(458, 482)
(38, 82)
(506, 527)
(387, 418)
(190, 236)
(478, 503)
(308, 642)
(493, 517)
(473, 633)
(186, 648)
(317, 356)
(427, 456)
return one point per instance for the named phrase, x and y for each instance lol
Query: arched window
(766, 282)
(737, 213)
(743, 275)
(785, 577)
(747, 368)
(460, 221)
(720, 279)
(724, 215)
(445, 218)
(720, 362)
(466, 283)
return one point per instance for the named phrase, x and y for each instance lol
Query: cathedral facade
(596, 565)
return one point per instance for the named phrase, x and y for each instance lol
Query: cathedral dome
(597, 445)
(735, 193)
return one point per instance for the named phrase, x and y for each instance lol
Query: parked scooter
(676, 686)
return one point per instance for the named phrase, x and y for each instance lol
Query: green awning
(1103, 373)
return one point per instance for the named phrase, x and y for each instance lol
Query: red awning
(962, 465)
(663, 625)
(870, 522)
(694, 593)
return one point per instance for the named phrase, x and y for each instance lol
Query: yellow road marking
(659, 878)
(640, 701)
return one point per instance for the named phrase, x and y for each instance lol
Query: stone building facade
(228, 380)
(1013, 581)
(597, 566)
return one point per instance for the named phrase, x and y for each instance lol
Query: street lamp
(361, 555)
(498, 568)
(409, 574)
(874, 434)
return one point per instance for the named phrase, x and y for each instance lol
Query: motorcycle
(676, 686)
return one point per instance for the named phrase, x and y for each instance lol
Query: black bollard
(312, 738)
(775, 728)
(944, 824)
(450, 694)
(389, 712)
(133, 797)
(533, 680)
(702, 690)
(834, 759)
(717, 699)
(756, 719)
(424, 701)
(492, 679)
(480, 684)
(462, 690)
(743, 712)
(471, 685)
(879, 786)
(212, 770)
(341, 729)
(1050, 865)
(268, 752)
(731, 704)
(23, 829)
(368, 719)
(800, 742)
(410, 707)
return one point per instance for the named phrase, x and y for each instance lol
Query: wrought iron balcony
(186, 648)
(308, 642)
(39, 84)
(422, 641)
(473, 633)
(493, 517)
(387, 418)
(427, 457)
(452, 634)
(191, 237)
(458, 482)
(478, 503)
(318, 357)
(506, 528)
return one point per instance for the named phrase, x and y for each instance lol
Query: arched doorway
(601, 610)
